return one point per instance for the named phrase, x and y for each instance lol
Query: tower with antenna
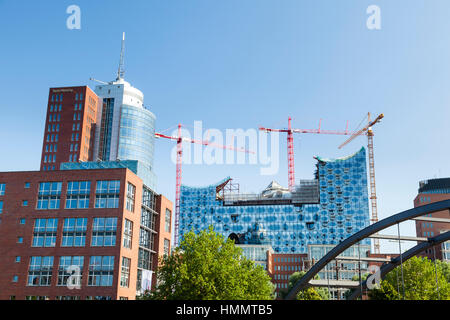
(126, 130)
(121, 70)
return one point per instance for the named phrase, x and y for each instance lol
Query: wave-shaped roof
(340, 159)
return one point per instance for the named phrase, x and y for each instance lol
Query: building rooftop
(441, 185)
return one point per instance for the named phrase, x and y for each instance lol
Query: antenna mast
(121, 71)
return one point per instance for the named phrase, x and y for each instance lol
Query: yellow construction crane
(367, 130)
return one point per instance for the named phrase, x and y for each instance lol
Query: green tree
(208, 267)
(306, 294)
(445, 267)
(419, 278)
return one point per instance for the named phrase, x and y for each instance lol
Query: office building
(69, 126)
(433, 190)
(88, 225)
(102, 222)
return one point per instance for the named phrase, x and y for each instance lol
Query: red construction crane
(179, 139)
(290, 144)
(367, 130)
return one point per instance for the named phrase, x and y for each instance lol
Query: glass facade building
(340, 209)
(127, 128)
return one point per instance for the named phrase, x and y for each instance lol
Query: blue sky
(243, 64)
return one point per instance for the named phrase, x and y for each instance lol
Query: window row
(57, 97)
(70, 271)
(78, 194)
(53, 128)
(288, 268)
(73, 147)
(49, 158)
(52, 138)
(104, 232)
(55, 108)
(75, 137)
(76, 127)
(54, 117)
(51, 148)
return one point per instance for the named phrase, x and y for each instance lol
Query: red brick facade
(429, 229)
(24, 186)
(284, 265)
(69, 126)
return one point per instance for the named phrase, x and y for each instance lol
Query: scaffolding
(307, 192)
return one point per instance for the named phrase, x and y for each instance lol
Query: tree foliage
(419, 277)
(208, 267)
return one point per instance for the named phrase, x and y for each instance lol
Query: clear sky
(242, 64)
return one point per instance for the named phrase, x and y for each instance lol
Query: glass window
(125, 274)
(74, 232)
(145, 259)
(70, 266)
(146, 239)
(148, 219)
(40, 271)
(149, 198)
(44, 233)
(167, 220)
(78, 194)
(2, 189)
(1, 206)
(107, 194)
(131, 191)
(127, 234)
(104, 232)
(101, 270)
(166, 246)
(49, 195)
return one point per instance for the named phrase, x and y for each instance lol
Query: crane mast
(367, 130)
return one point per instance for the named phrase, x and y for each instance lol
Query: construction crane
(179, 139)
(367, 130)
(290, 144)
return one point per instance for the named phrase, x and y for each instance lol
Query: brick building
(69, 126)
(430, 191)
(90, 219)
(84, 219)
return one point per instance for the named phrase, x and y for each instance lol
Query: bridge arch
(388, 267)
(362, 234)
